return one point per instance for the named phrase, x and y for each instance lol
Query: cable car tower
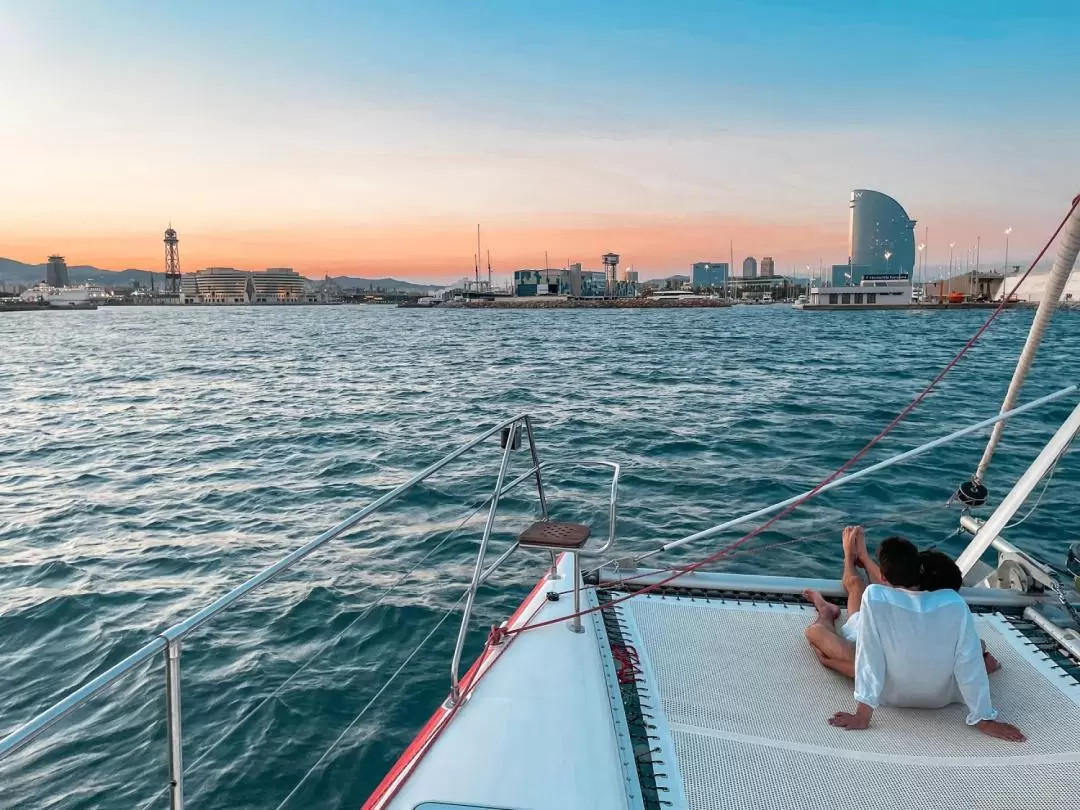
(172, 262)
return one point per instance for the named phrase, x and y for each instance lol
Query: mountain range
(14, 272)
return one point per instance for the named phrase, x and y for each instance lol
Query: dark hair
(938, 572)
(899, 560)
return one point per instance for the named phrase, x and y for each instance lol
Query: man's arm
(970, 673)
(869, 673)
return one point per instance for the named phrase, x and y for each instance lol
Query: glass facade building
(880, 225)
(708, 274)
(56, 272)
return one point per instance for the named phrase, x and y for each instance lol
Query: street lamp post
(888, 255)
(1007, 232)
(951, 246)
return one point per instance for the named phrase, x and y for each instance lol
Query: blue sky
(380, 131)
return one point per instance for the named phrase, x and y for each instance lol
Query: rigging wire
(364, 613)
(1045, 486)
(360, 616)
(846, 465)
(512, 634)
(371, 702)
(882, 521)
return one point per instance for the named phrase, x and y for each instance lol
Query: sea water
(153, 458)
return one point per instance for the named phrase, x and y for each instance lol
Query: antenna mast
(476, 257)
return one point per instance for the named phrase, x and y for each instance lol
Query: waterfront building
(708, 274)
(768, 267)
(572, 282)
(766, 288)
(278, 285)
(987, 285)
(845, 275)
(882, 235)
(229, 286)
(630, 276)
(549, 281)
(56, 272)
(875, 290)
(749, 267)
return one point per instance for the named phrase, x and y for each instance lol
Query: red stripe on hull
(412, 755)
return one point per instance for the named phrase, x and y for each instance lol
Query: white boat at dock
(87, 296)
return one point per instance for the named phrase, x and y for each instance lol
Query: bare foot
(862, 554)
(850, 538)
(992, 664)
(1003, 731)
(828, 611)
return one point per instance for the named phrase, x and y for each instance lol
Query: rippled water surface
(154, 458)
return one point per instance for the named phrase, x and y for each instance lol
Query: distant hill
(13, 272)
(675, 280)
(350, 283)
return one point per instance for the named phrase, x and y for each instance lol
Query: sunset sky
(370, 138)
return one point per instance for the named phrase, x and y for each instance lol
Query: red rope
(629, 663)
(840, 470)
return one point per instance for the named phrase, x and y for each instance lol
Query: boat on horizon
(86, 296)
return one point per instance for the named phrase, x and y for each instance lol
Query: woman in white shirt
(903, 646)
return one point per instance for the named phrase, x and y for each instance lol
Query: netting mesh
(747, 703)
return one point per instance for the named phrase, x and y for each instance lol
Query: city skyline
(370, 142)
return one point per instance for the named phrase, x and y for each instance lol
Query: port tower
(172, 262)
(611, 265)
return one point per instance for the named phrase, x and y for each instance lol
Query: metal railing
(480, 574)
(171, 639)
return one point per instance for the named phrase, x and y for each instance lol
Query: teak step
(551, 535)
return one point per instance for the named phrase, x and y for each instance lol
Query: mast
(1055, 285)
(489, 270)
(476, 257)
(730, 267)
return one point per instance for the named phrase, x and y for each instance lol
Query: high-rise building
(768, 267)
(749, 267)
(882, 234)
(56, 272)
(709, 274)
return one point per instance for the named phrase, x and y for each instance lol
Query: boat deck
(708, 701)
(740, 707)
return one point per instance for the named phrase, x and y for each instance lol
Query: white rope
(371, 702)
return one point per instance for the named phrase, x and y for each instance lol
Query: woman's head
(899, 561)
(938, 572)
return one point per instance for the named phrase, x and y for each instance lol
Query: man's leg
(853, 583)
(844, 666)
(863, 558)
(833, 650)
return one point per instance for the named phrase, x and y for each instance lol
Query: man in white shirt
(910, 648)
